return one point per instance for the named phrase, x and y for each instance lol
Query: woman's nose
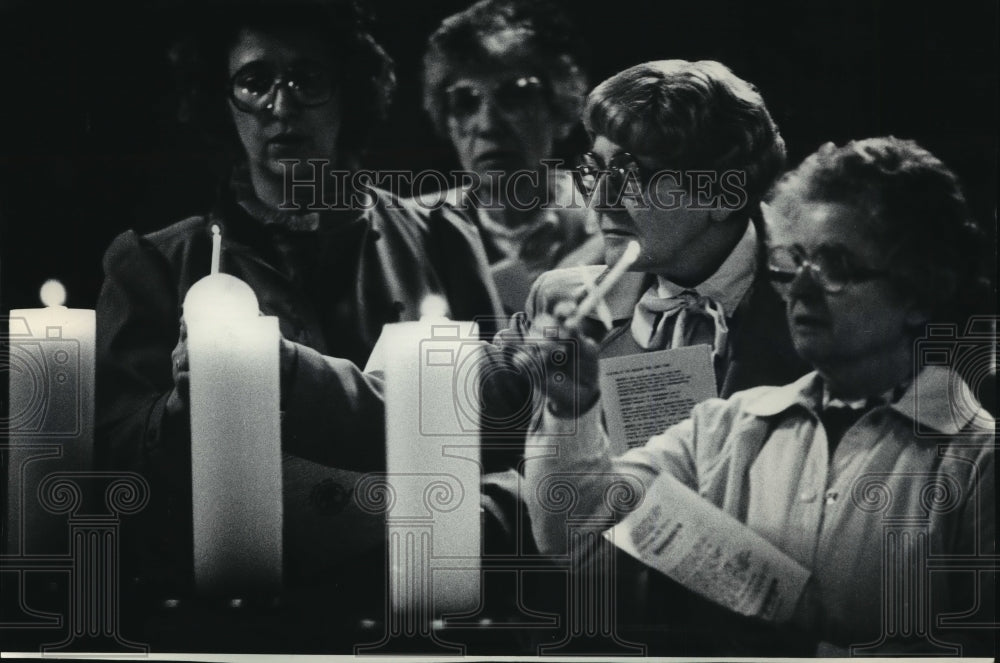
(607, 195)
(804, 284)
(282, 104)
(487, 117)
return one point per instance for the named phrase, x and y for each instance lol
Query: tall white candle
(235, 438)
(432, 423)
(51, 382)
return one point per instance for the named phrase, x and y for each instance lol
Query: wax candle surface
(235, 438)
(431, 370)
(51, 415)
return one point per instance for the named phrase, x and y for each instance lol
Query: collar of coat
(937, 398)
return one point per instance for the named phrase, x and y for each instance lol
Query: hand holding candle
(235, 434)
(568, 356)
(612, 277)
(177, 401)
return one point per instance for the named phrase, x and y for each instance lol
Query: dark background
(89, 146)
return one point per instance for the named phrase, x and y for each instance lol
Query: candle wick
(216, 248)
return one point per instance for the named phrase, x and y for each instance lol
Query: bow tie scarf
(684, 320)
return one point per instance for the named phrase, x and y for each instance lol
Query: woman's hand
(178, 400)
(567, 357)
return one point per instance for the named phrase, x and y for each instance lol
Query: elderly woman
(503, 82)
(682, 153)
(295, 89)
(867, 243)
(656, 127)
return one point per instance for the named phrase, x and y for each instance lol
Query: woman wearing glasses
(293, 91)
(866, 468)
(682, 153)
(502, 81)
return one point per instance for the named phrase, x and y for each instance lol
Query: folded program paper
(682, 535)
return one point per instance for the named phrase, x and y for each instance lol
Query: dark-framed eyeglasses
(831, 267)
(625, 175)
(254, 87)
(512, 97)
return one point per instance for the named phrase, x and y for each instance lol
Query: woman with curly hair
(864, 469)
(290, 92)
(503, 83)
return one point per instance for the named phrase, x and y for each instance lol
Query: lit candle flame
(434, 306)
(53, 293)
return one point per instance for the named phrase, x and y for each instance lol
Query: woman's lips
(616, 231)
(282, 140)
(494, 156)
(809, 320)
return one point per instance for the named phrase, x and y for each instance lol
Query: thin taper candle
(216, 248)
(594, 296)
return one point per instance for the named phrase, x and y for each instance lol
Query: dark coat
(358, 276)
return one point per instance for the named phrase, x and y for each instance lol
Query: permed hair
(541, 32)
(199, 62)
(915, 211)
(690, 116)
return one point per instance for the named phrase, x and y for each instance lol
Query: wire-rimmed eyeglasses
(254, 87)
(831, 267)
(625, 174)
(512, 97)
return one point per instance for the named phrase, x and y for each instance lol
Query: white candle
(432, 433)
(216, 248)
(235, 438)
(51, 382)
(595, 296)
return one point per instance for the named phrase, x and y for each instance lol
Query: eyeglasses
(512, 97)
(254, 87)
(829, 266)
(624, 175)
